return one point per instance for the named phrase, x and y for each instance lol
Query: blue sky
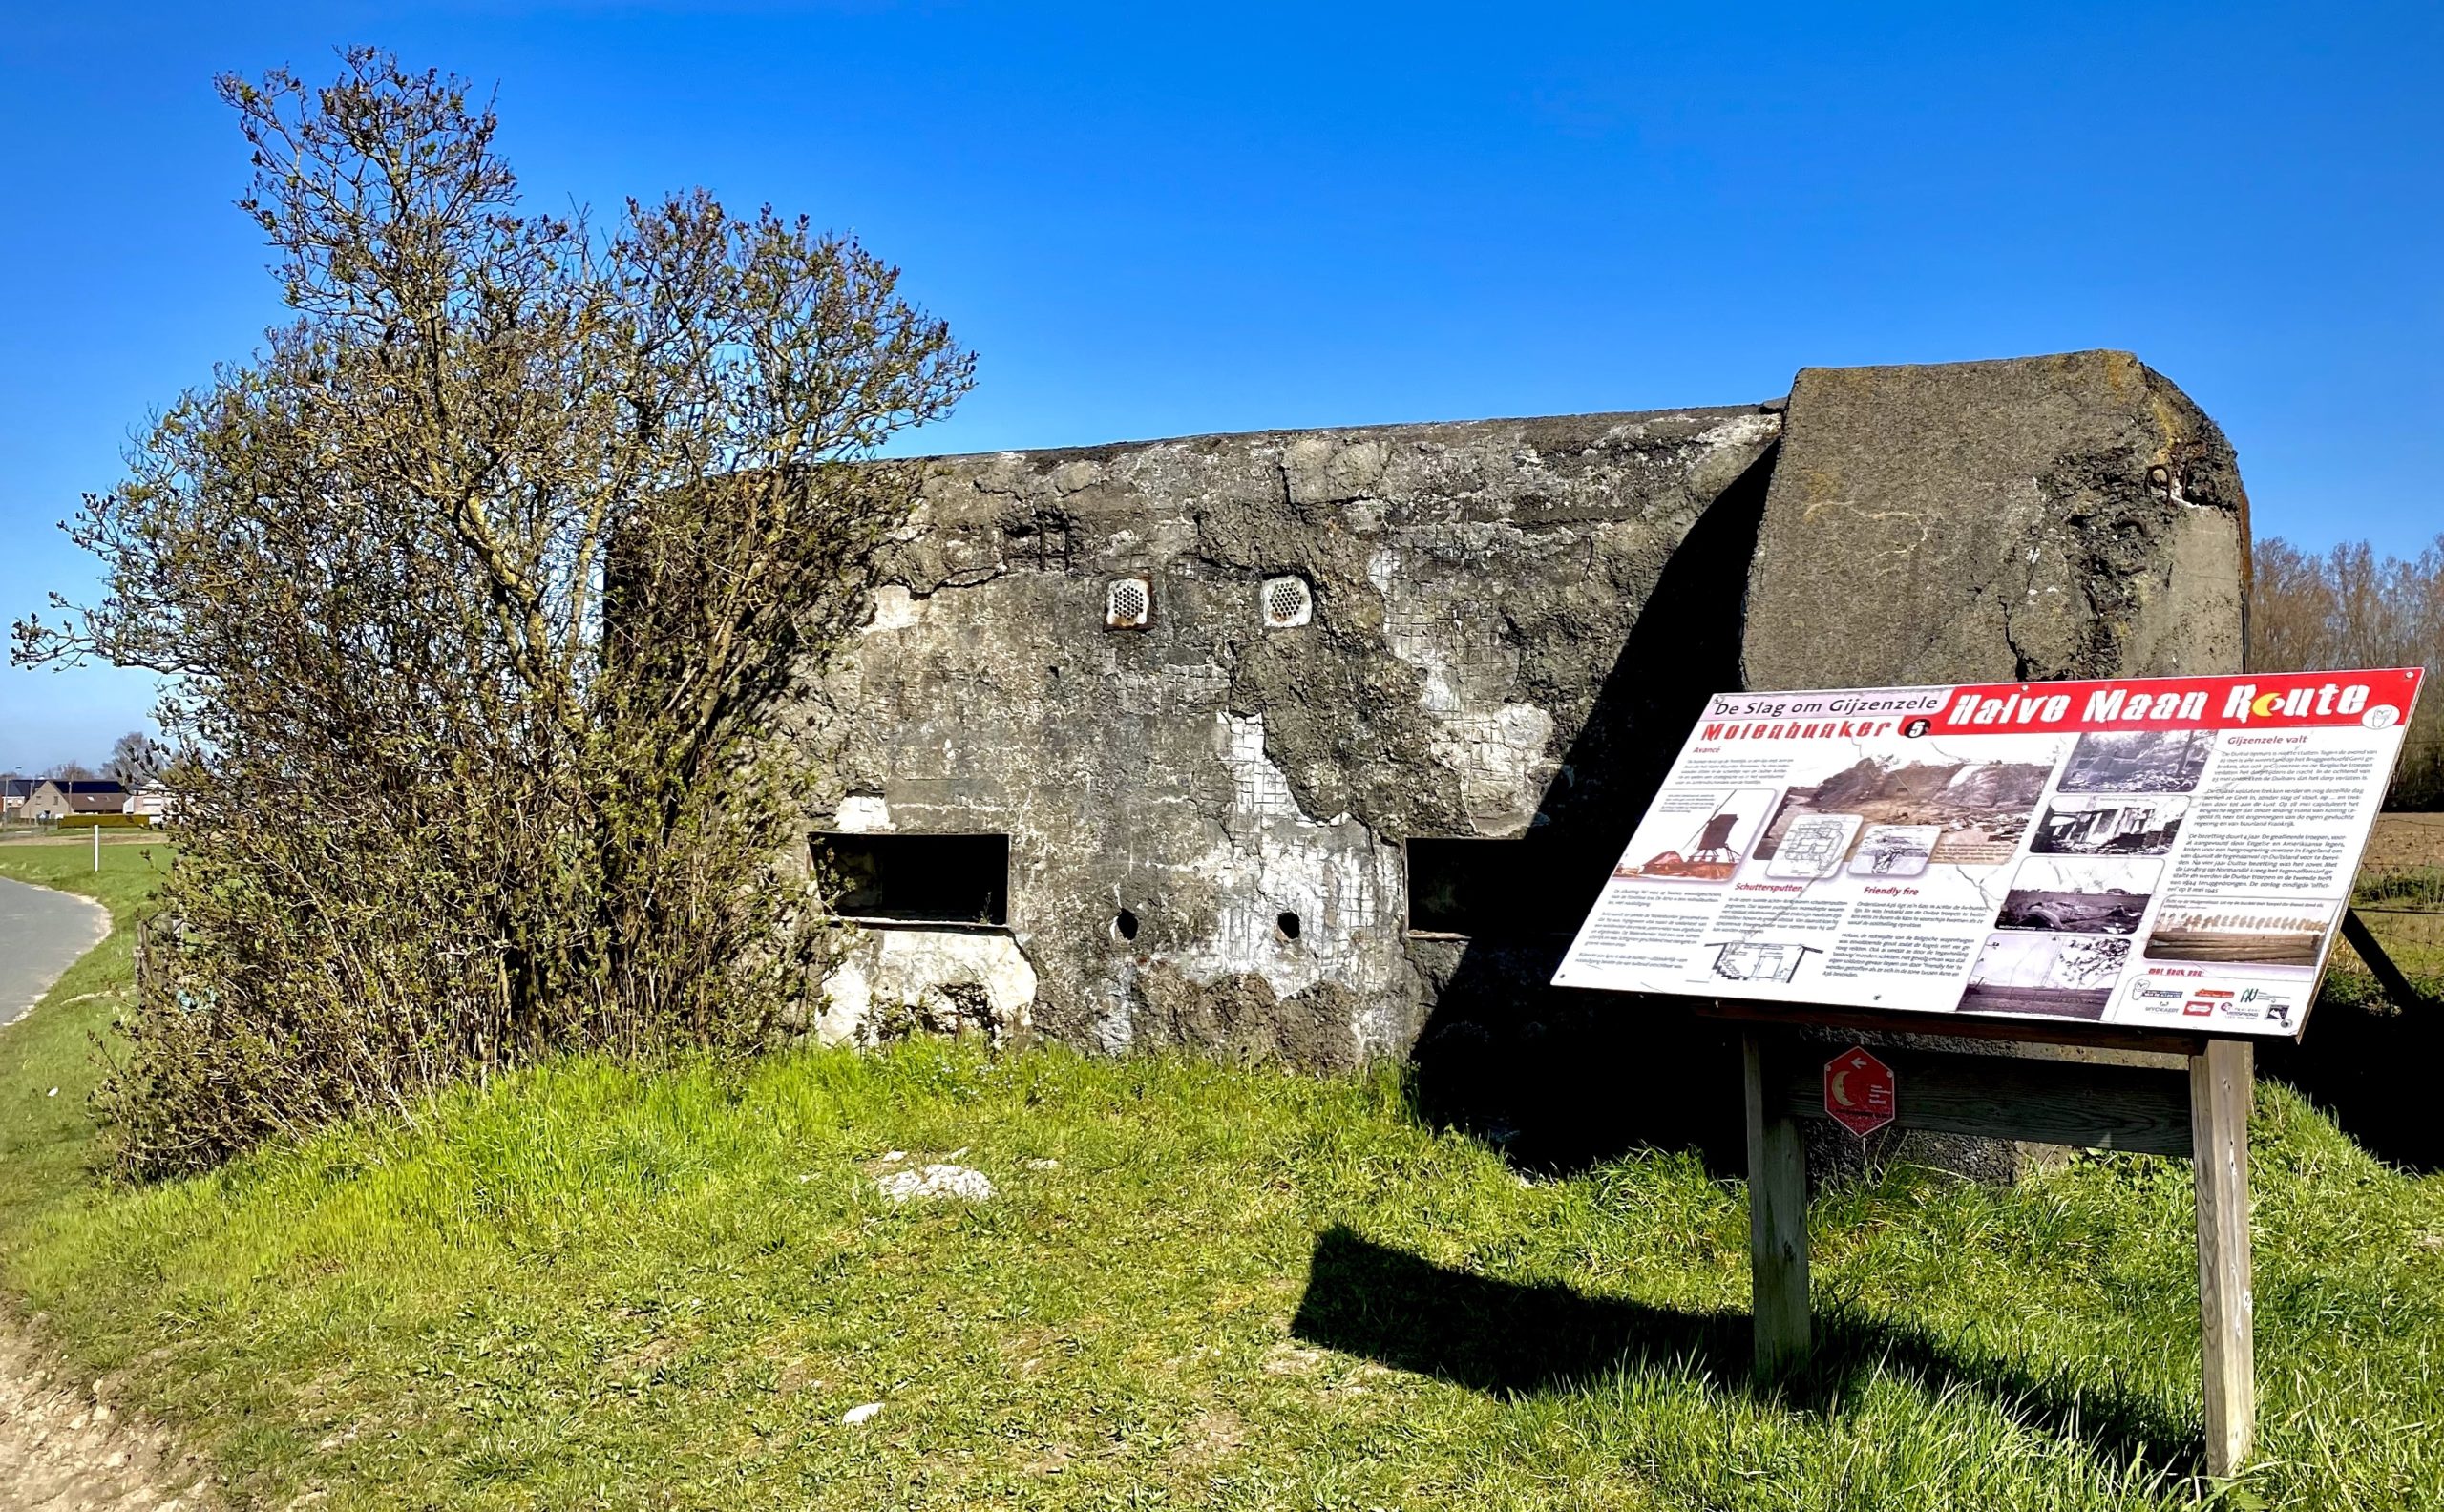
(1151, 221)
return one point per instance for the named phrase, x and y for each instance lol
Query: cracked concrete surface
(1508, 618)
(2067, 517)
(1244, 792)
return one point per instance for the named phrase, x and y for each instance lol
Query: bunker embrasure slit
(906, 879)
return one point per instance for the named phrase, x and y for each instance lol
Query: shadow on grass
(1506, 1338)
(2372, 1069)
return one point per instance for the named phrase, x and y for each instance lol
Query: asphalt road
(41, 935)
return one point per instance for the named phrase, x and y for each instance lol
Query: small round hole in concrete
(1288, 924)
(1124, 924)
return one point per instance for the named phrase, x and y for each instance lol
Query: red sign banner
(2371, 700)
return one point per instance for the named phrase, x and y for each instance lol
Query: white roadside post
(97, 846)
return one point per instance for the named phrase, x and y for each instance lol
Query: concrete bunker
(1313, 744)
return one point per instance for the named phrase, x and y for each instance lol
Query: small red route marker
(1859, 1091)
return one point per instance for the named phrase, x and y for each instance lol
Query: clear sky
(1152, 219)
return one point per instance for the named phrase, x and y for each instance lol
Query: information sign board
(2164, 852)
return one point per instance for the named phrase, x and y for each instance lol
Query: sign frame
(2197, 1105)
(2081, 856)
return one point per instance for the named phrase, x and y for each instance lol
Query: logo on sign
(1859, 1093)
(2149, 999)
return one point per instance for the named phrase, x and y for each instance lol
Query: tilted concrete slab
(2073, 516)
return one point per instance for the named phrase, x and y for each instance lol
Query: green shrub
(487, 570)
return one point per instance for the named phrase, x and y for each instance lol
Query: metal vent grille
(1287, 601)
(1129, 603)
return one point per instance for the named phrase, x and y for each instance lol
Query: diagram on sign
(1813, 845)
(1753, 960)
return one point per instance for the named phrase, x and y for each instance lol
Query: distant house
(150, 802)
(13, 792)
(56, 798)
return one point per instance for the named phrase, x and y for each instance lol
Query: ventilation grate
(1129, 603)
(1287, 601)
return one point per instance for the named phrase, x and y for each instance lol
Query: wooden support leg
(1777, 1220)
(2221, 1084)
(2373, 951)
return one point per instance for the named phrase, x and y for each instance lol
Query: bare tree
(2353, 608)
(134, 760)
(469, 588)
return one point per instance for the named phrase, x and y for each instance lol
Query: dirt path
(63, 1447)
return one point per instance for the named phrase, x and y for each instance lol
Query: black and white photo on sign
(2108, 825)
(2281, 931)
(2077, 896)
(1978, 807)
(2056, 975)
(1697, 836)
(2137, 762)
(1895, 849)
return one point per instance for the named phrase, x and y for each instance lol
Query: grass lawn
(591, 1286)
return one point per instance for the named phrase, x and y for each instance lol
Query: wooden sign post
(2178, 1097)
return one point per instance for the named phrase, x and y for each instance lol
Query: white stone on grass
(857, 1415)
(936, 1181)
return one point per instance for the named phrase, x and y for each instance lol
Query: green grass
(2408, 887)
(594, 1285)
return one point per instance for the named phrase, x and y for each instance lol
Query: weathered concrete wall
(2063, 517)
(1473, 588)
(1512, 622)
